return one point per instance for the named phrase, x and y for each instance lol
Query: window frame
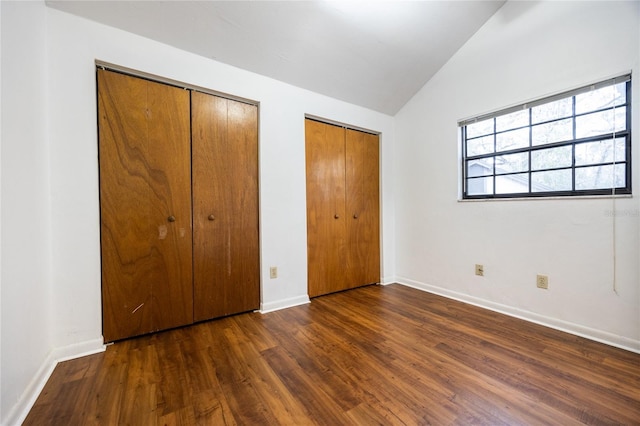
(614, 136)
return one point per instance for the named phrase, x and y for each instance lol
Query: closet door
(343, 213)
(225, 206)
(326, 210)
(363, 210)
(145, 200)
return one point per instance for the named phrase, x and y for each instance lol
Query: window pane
(512, 184)
(481, 167)
(551, 158)
(512, 140)
(601, 98)
(552, 110)
(480, 128)
(512, 163)
(552, 180)
(600, 177)
(513, 120)
(600, 152)
(556, 131)
(480, 186)
(480, 146)
(600, 123)
(572, 144)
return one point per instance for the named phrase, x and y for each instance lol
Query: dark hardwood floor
(376, 355)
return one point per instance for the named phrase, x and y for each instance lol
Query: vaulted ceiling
(376, 54)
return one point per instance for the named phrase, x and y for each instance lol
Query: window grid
(493, 174)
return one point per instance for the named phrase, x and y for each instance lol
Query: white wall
(527, 50)
(49, 218)
(1, 215)
(1, 410)
(51, 303)
(25, 215)
(74, 44)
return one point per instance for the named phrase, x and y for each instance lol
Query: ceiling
(376, 54)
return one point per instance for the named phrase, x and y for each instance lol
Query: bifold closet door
(225, 206)
(343, 213)
(326, 221)
(145, 199)
(363, 207)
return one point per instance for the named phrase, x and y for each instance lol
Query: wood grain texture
(225, 206)
(374, 355)
(363, 208)
(343, 212)
(145, 177)
(326, 210)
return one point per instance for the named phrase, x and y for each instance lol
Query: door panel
(144, 148)
(326, 214)
(372, 208)
(363, 211)
(225, 198)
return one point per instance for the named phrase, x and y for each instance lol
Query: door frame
(344, 125)
(104, 65)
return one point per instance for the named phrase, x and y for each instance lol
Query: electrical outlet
(480, 270)
(542, 281)
(273, 272)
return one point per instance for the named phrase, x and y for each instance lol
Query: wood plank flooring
(375, 355)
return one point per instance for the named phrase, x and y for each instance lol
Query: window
(574, 143)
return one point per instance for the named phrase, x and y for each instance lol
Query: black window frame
(530, 148)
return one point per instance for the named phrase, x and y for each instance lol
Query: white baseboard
(20, 410)
(567, 327)
(283, 304)
(78, 350)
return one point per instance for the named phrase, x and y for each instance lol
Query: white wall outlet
(480, 270)
(273, 272)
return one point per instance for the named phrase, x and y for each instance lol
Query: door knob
(212, 217)
(171, 218)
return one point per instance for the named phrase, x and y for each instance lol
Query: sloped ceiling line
(376, 54)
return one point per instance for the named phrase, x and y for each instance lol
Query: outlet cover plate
(542, 281)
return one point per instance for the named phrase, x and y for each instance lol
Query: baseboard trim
(565, 326)
(24, 404)
(78, 350)
(283, 304)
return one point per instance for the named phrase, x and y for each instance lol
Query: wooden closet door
(325, 161)
(225, 206)
(145, 201)
(363, 208)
